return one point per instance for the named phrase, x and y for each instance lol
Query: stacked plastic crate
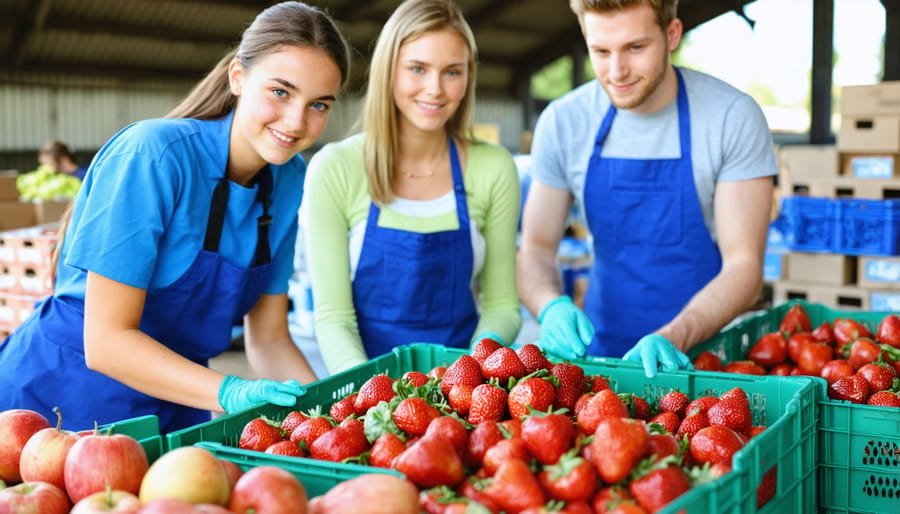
(25, 255)
(840, 212)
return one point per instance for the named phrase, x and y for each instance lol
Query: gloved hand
(487, 335)
(655, 351)
(237, 394)
(566, 330)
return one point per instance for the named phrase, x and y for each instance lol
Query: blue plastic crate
(808, 223)
(867, 227)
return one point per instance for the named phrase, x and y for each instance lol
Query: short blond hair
(666, 10)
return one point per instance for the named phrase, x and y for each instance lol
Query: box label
(885, 302)
(873, 167)
(882, 271)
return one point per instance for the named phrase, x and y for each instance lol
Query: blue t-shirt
(730, 139)
(140, 217)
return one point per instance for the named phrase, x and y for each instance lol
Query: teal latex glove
(655, 351)
(487, 335)
(566, 330)
(237, 394)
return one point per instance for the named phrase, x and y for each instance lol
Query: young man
(673, 170)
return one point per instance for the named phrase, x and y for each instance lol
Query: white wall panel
(25, 116)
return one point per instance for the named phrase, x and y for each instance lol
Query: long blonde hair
(286, 23)
(380, 117)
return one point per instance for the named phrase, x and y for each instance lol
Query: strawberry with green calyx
(732, 410)
(430, 461)
(482, 437)
(655, 484)
(571, 478)
(795, 320)
(380, 419)
(483, 348)
(597, 383)
(343, 408)
(888, 398)
(853, 389)
(638, 408)
(570, 374)
(384, 450)
(514, 487)
(533, 358)
(376, 389)
(310, 430)
(473, 489)
(413, 415)
(824, 333)
(454, 429)
(860, 352)
(291, 421)
(626, 507)
(530, 393)
(436, 372)
(416, 378)
(879, 374)
(847, 330)
(706, 473)
(619, 444)
(443, 500)
(675, 402)
(464, 370)
(547, 434)
(702, 402)
(503, 364)
(339, 444)
(504, 450)
(663, 443)
(667, 420)
(260, 433)
(488, 403)
(604, 404)
(715, 444)
(607, 498)
(888, 331)
(695, 420)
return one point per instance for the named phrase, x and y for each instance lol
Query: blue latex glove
(566, 330)
(487, 335)
(655, 351)
(237, 394)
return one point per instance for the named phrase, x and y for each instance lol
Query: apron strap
(217, 216)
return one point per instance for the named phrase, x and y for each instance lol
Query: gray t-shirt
(730, 139)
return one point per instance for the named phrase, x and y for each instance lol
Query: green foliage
(555, 79)
(45, 183)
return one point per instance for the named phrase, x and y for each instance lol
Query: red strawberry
(431, 461)
(482, 437)
(504, 450)
(464, 370)
(795, 320)
(533, 392)
(503, 364)
(707, 361)
(286, 448)
(884, 399)
(436, 372)
(812, 357)
(581, 402)
(570, 374)
(769, 350)
(571, 479)
(413, 415)
(693, 422)
(662, 445)
(453, 429)
(611, 495)
(343, 408)
(602, 405)
(339, 443)
(626, 507)
(514, 487)
(416, 378)
(659, 487)
(835, 369)
(598, 383)
(385, 448)
(744, 368)
(853, 389)
(796, 341)
(638, 408)
(824, 333)
(861, 352)
(767, 487)
(888, 331)
(879, 375)
(732, 412)
(755, 431)
(291, 421)
(488, 404)
(618, 444)
(547, 436)
(474, 492)
(847, 330)
(460, 398)
(674, 401)
(715, 444)
(669, 421)
(376, 389)
(310, 430)
(533, 358)
(259, 433)
(703, 403)
(483, 348)
(566, 398)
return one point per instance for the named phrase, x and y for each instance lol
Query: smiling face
(430, 80)
(283, 105)
(630, 56)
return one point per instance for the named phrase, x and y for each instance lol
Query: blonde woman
(410, 220)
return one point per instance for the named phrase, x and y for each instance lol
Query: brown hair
(56, 150)
(379, 119)
(666, 10)
(286, 23)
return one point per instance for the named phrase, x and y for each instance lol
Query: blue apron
(193, 317)
(652, 250)
(414, 287)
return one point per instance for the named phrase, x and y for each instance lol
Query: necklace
(432, 165)
(426, 175)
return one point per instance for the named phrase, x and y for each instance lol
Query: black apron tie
(219, 206)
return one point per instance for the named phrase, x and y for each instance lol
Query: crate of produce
(143, 428)
(808, 223)
(859, 445)
(786, 406)
(867, 227)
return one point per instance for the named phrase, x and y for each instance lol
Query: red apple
(268, 489)
(44, 455)
(111, 501)
(102, 460)
(189, 473)
(34, 498)
(16, 428)
(233, 471)
(167, 506)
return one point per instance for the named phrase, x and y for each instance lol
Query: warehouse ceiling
(180, 40)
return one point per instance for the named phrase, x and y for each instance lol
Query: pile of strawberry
(510, 431)
(859, 367)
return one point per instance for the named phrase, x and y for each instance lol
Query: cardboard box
(49, 211)
(831, 269)
(879, 272)
(835, 297)
(868, 189)
(8, 190)
(809, 161)
(869, 134)
(774, 266)
(870, 166)
(883, 98)
(16, 215)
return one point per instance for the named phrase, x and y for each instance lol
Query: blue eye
(280, 93)
(320, 106)
(417, 69)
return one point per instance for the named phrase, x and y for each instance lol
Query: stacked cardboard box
(863, 165)
(25, 272)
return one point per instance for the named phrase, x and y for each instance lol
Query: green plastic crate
(143, 428)
(859, 446)
(786, 406)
